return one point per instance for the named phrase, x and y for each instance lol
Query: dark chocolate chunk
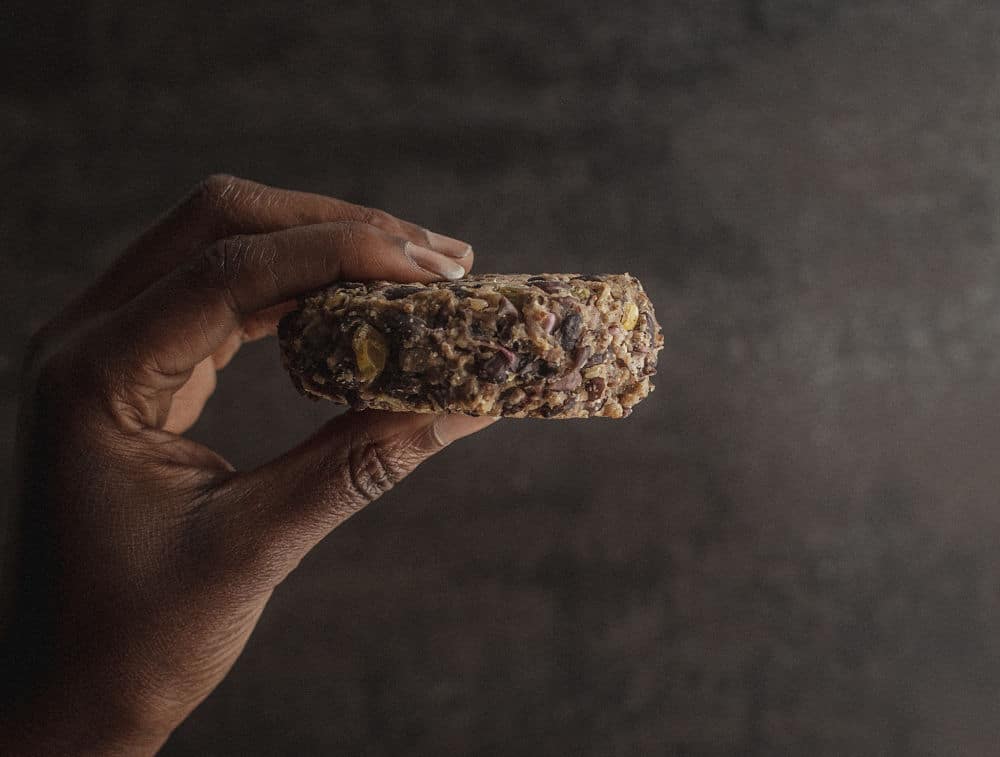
(505, 325)
(569, 331)
(595, 388)
(399, 292)
(440, 319)
(528, 369)
(495, 370)
(402, 327)
(507, 316)
(580, 356)
(547, 369)
(438, 397)
(402, 385)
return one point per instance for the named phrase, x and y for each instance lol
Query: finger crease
(387, 471)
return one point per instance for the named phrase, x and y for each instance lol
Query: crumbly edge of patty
(550, 345)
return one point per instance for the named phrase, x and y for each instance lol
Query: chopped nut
(604, 298)
(630, 316)
(477, 304)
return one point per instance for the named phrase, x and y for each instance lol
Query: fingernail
(454, 248)
(448, 427)
(434, 262)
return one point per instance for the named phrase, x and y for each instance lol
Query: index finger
(221, 206)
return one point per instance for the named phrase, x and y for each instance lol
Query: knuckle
(215, 262)
(265, 260)
(223, 262)
(345, 233)
(215, 189)
(373, 468)
(210, 195)
(378, 218)
(348, 239)
(396, 227)
(226, 198)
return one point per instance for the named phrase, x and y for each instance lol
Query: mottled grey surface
(790, 548)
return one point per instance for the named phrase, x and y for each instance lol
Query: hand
(140, 560)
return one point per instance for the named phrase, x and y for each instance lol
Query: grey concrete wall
(790, 548)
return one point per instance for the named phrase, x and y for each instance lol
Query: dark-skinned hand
(137, 560)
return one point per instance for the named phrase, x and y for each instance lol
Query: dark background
(790, 548)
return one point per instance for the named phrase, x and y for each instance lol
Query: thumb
(289, 504)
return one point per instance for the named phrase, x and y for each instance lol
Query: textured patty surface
(546, 346)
